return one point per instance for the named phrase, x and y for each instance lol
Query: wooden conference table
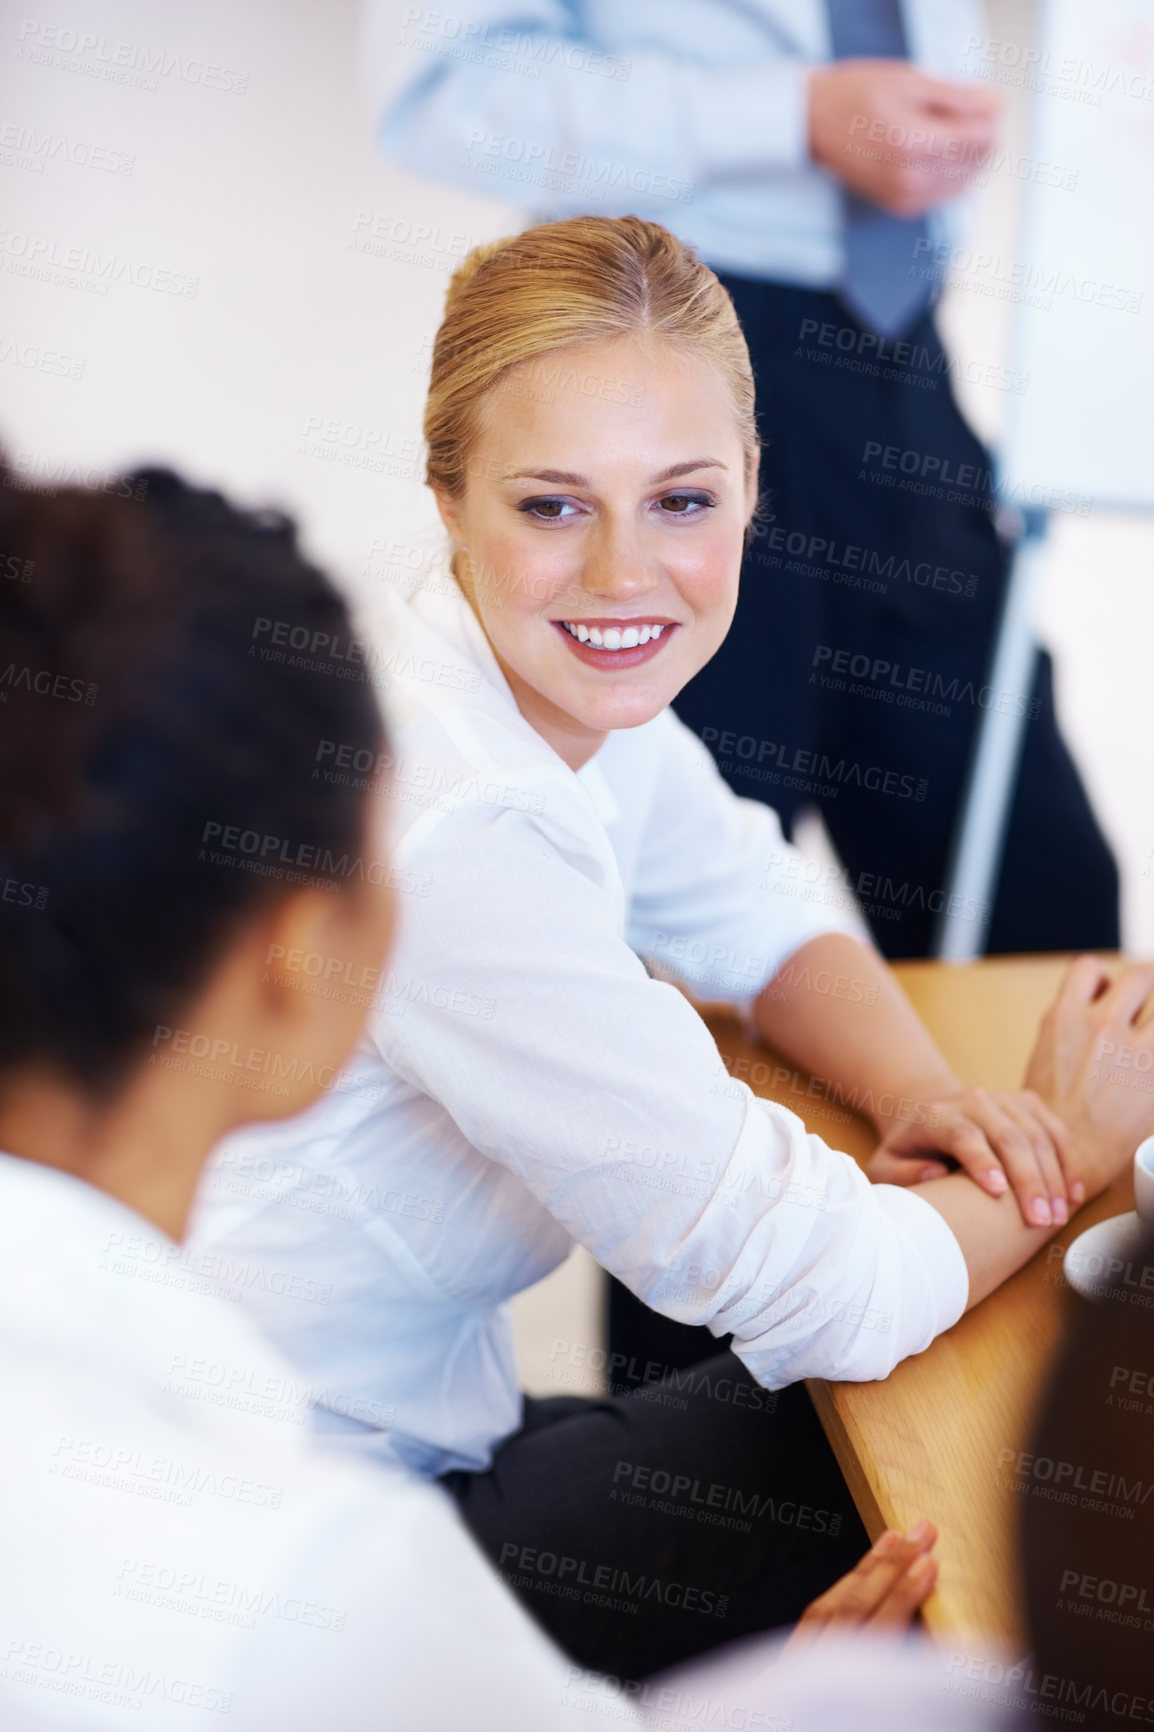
(927, 1441)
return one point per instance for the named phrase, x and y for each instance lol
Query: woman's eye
(561, 510)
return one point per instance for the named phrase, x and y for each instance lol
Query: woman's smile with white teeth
(612, 637)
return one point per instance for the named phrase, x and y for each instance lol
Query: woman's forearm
(836, 1010)
(1072, 1088)
(994, 1239)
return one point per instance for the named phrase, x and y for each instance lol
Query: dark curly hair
(142, 714)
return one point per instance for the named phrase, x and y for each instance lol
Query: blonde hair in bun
(585, 280)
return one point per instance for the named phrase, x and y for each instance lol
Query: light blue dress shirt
(688, 112)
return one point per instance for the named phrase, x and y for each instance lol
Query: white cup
(1144, 1180)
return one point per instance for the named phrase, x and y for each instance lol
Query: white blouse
(178, 1551)
(526, 1082)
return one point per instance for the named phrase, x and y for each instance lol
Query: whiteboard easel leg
(980, 836)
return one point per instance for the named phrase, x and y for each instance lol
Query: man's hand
(891, 1583)
(1093, 1065)
(895, 135)
(1001, 1139)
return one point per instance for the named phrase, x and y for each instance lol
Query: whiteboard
(1080, 435)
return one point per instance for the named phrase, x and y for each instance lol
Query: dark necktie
(880, 288)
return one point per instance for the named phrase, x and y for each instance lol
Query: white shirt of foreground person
(691, 113)
(845, 1685)
(178, 1552)
(525, 1083)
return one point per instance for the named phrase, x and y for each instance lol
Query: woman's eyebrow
(676, 469)
(566, 478)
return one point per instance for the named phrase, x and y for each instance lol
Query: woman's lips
(607, 659)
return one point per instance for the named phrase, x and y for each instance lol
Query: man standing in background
(811, 151)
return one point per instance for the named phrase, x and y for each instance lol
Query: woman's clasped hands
(1053, 1142)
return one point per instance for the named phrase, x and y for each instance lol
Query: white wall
(292, 370)
(297, 318)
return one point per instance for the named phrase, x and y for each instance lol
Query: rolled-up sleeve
(514, 1000)
(522, 103)
(719, 897)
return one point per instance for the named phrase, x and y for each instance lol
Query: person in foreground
(175, 1548)
(527, 1081)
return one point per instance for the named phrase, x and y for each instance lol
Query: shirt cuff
(926, 1236)
(749, 119)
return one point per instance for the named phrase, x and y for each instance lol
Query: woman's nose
(617, 565)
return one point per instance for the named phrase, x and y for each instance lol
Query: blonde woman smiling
(593, 454)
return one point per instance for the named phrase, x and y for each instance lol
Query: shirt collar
(45, 1207)
(87, 1281)
(442, 602)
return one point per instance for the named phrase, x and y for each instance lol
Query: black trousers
(653, 1525)
(854, 676)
